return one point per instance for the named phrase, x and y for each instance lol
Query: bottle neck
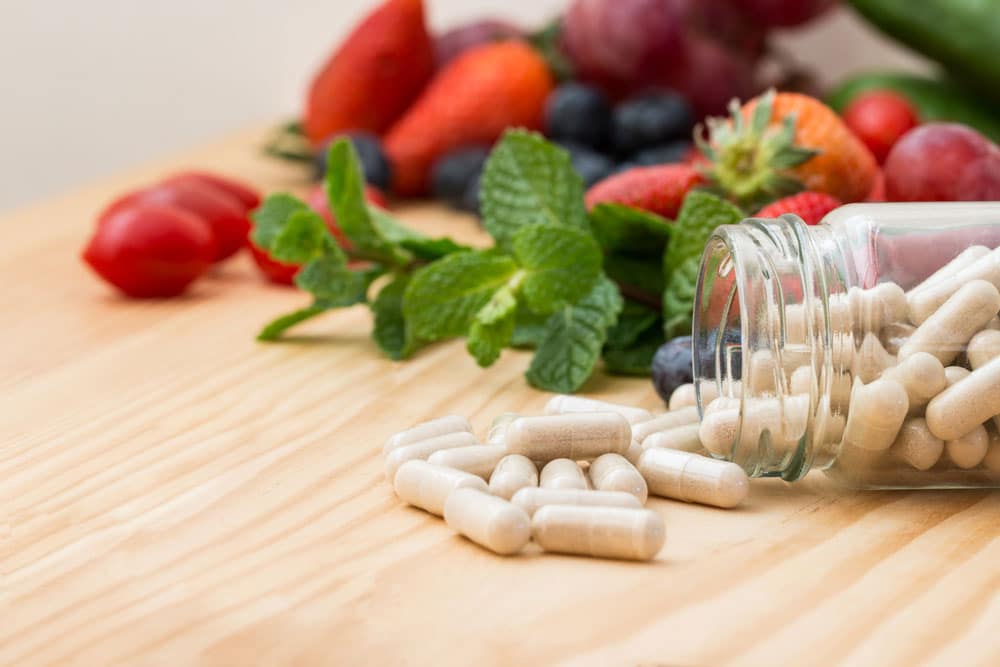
(764, 342)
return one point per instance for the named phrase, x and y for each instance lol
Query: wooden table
(174, 493)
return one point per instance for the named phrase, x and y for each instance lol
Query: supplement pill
(946, 333)
(983, 348)
(683, 397)
(665, 422)
(565, 404)
(969, 450)
(613, 472)
(717, 431)
(562, 474)
(633, 452)
(871, 359)
(572, 436)
(513, 473)
(530, 499)
(487, 520)
(953, 374)
(894, 335)
(992, 459)
(479, 460)
(423, 449)
(921, 304)
(426, 430)
(964, 259)
(922, 377)
(498, 427)
(876, 414)
(685, 438)
(966, 404)
(693, 478)
(427, 486)
(600, 532)
(916, 445)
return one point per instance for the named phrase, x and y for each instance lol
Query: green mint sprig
(572, 285)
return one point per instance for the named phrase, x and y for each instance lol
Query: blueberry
(374, 164)
(591, 165)
(470, 198)
(675, 151)
(650, 120)
(672, 366)
(452, 174)
(578, 113)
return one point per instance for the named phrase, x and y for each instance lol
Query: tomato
(275, 271)
(249, 198)
(148, 250)
(879, 118)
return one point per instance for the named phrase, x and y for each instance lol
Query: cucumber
(934, 100)
(962, 35)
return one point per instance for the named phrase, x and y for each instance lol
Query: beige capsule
(530, 499)
(613, 472)
(717, 431)
(804, 381)
(916, 445)
(424, 449)
(946, 333)
(498, 427)
(923, 303)
(921, 375)
(562, 404)
(479, 460)
(427, 486)
(665, 422)
(693, 478)
(579, 437)
(969, 450)
(983, 347)
(953, 374)
(487, 520)
(761, 376)
(871, 359)
(426, 430)
(894, 336)
(633, 452)
(562, 474)
(686, 396)
(966, 404)
(513, 473)
(599, 532)
(685, 438)
(876, 414)
(992, 459)
(994, 324)
(964, 259)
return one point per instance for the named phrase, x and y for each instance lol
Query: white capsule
(983, 348)
(946, 333)
(969, 450)
(530, 499)
(922, 377)
(761, 373)
(599, 532)
(953, 374)
(994, 324)
(489, 521)
(871, 359)
(894, 336)
(925, 302)
(916, 445)
(804, 382)
(685, 438)
(783, 421)
(685, 396)
(427, 486)
(717, 431)
(964, 259)
(562, 474)
(693, 478)
(562, 404)
(498, 427)
(423, 449)
(876, 414)
(513, 473)
(578, 437)
(479, 460)
(665, 422)
(966, 404)
(613, 472)
(633, 452)
(427, 430)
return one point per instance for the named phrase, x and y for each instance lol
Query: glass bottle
(867, 346)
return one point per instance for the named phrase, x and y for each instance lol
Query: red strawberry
(808, 205)
(659, 189)
(472, 100)
(374, 76)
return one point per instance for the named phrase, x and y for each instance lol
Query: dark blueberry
(452, 174)
(470, 198)
(591, 165)
(672, 366)
(374, 164)
(578, 113)
(650, 120)
(675, 151)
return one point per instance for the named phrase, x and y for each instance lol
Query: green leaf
(560, 263)
(634, 320)
(391, 333)
(330, 281)
(700, 214)
(273, 330)
(636, 358)
(493, 327)
(529, 328)
(629, 230)
(573, 340)
(422, 246)
(303, 238)
(444, 297)
(528, 181)
(431, 249)
(642, 274)
(270, 218)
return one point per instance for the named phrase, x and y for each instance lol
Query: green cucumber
(933, 100)
(962, 35)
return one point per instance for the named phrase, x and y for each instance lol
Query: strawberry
(808, 205)
(472, 100)
(659, 189)
(374, 76)
(782, 143)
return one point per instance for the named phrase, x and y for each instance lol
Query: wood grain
(174, 493)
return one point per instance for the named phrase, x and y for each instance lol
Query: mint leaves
(574, 286)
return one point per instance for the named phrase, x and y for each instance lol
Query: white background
(90, 87)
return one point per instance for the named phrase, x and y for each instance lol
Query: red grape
(782, 13)
(453, 42)
(943, 162)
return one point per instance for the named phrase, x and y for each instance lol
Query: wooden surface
(173, 493)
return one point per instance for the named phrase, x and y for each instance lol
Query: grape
(672, 366)
(453, 42)
(782, 13)
(943, 162)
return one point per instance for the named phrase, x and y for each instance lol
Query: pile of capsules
(919, 392)
(573, 480)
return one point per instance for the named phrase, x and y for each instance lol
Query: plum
(943, 162)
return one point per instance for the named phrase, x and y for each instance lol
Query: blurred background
(94, 87)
